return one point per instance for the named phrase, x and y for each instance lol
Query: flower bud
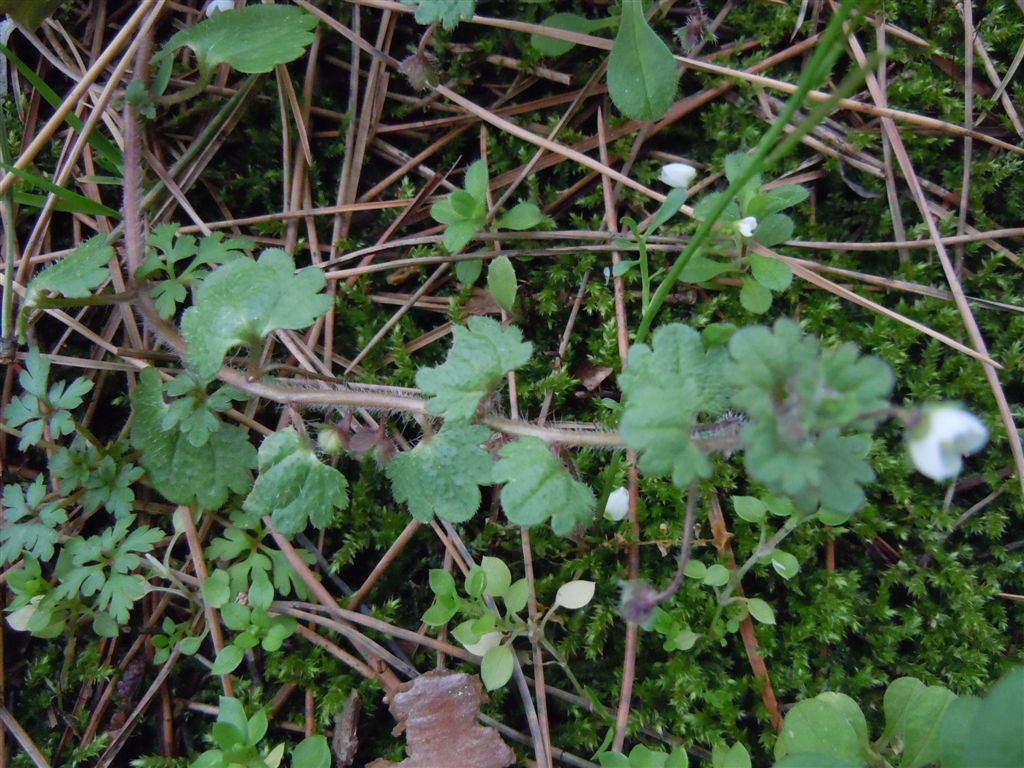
(618, 505)
(746, 226)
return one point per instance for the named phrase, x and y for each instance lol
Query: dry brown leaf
(438, 713)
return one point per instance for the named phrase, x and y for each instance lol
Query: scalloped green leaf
(538, 487)
(253, 39)
(243, 301)
(664, 388)
(294, 487)
(482, 353)
(448, 12)
(443, 474)
(182, 472)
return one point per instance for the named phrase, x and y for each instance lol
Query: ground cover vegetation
(593, 383)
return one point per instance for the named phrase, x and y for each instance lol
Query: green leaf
(774, 229)
(476, 581)
(669, 208)
(253, 39)
(641, 70)
(496, 667)
(180, 471)
(457, 235)
(773, 274)
(29, 13)
(760, 610)
(914, 713)
(243, 301)
(735, 756)
(785, 564)
(955, 739)
(754, 297)
(537, 487)
(570, 22)
(22, 533)
(695, 569)
(76, 275)
(613, 760)
(217, 589)
(664, 388)
(441, 612)
(622, 268)
(523, 216)
(227, 660)
(702, 270)
(830, 724)
(749, 508)
(816, 760)
(482, 353)
(517, 595)
(441, 582)
(294, 487)
(448, 12)
(442, 475)
(476, 183)
(501, 282)
(499, 578)
(644, 757)
(312, 752)
(775, 200)
(677, 758)
(468, 270)
(69, 201)
(716, 576)
(997, 739)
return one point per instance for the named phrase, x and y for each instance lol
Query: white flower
(574, 594)
(746, 226)
(216, 6)
(944, 435)
(618, 505)
(678, 175)
(484, 644)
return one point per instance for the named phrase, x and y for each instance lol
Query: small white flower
(216, 6)
(484, 644)
(746, 226)
(945, 434)
(575, 594)
(618, 505)
(678, 175)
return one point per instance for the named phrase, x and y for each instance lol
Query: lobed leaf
(181, 471)
(538, 487)
(294, 487)
(482, 353)
(243, 301)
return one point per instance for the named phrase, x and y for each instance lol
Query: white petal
(618, 505)
(746, 226)
(484, 644)
(678, 174)
(216, 6)
(574, 594)
(944, 435)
